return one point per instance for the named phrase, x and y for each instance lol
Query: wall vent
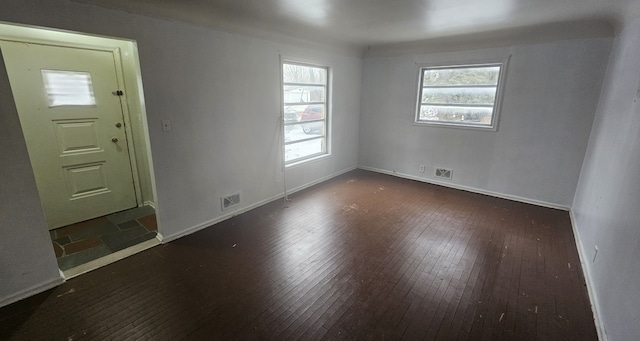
(230, 201)
(444, 173)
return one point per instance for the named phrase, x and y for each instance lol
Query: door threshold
(111, 258)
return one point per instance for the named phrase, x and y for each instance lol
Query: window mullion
(305, 140)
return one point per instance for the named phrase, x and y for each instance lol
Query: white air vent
(444, 173)
(230, 200)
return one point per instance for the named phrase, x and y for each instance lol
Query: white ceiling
(362, 23)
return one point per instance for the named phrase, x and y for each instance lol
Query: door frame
(129, 75)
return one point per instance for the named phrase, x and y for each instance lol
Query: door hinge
(117, 93)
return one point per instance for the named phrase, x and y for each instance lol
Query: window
(305, 111)
(462, 96)
(68, 88)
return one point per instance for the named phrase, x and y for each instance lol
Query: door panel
(77, 135)
(74, 128)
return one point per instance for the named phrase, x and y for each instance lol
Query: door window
(68, 88)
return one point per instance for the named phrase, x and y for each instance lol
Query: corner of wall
(586, 271)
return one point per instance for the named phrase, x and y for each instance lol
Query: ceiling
(361, 23)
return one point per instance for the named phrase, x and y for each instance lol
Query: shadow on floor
(83, 242)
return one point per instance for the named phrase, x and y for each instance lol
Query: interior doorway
(81, 109)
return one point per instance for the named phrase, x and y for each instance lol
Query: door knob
(118, 125)
(114, 139)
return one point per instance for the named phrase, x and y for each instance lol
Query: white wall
(222, 94)
(607, 202)
(550, 99)
(220, 90)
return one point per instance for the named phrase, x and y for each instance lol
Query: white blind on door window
(68, 88)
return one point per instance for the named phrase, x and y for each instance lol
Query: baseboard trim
(196, 228)
(468, 189)
(315, 182)
(32, 290)
(593, 296)
(150, 203)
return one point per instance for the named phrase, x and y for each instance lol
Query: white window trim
(328, 107)
(497, 107)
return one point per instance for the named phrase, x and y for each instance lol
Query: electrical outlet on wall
(166, 125)
(421, 169)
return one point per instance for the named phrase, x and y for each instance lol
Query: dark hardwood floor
(362, 256)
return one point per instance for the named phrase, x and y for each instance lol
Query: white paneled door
(70, 103)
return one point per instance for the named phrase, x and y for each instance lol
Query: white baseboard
(150, 203)
(315, 182)
(32, 290)
(469, 189)
(593, 296)
(205, 224)
(196, 228)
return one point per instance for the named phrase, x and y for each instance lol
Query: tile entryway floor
(83, 242)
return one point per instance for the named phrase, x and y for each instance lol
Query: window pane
(298, 113)
(486, 75)
(303, 94)
(296, 132)
(303, 149)
(293, 73)
(478, 96)
(312, 112)
(461, 115)
(68, 88)
(292, 113)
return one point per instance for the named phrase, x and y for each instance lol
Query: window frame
(325, 138)
(497, 104)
